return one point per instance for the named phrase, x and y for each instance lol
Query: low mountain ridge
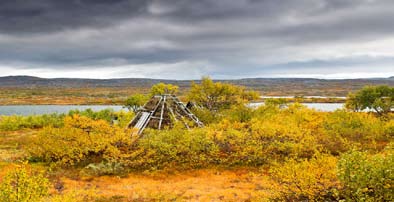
(31, 81)
(282, 86)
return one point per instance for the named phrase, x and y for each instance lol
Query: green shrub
(240, 113)
(367, 177)
(120, 118)
(206, 116)
(14, 122)
(105, 168)
(106, 114)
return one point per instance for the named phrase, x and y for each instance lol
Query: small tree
(134, 102)
(378, 98)
(217, 95)
(162, 88)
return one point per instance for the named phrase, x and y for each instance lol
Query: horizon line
(221, 79)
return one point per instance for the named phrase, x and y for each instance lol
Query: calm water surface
(326, 107)
(49, 109)
(308, 96)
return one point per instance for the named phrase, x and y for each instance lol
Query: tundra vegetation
(276, 152)
(134, 102)
(377, 98)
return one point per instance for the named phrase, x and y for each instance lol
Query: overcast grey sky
(185, 39)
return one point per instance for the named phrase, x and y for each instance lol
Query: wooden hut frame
(162, 111)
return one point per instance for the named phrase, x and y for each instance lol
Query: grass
(11, 144)
(66, 96)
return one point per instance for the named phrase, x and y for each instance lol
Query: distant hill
(29, 81)
(293, 86)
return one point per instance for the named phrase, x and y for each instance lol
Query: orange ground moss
(199, 185)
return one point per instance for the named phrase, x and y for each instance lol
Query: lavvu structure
(162, 111)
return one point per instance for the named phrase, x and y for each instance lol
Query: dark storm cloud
(31, 16)
(224, 38)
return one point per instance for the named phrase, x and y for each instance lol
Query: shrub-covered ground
(271, 153)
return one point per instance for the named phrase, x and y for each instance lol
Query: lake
(49, 109)
(326, 107)
(307, 96)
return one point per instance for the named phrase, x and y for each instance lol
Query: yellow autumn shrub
(177, 148)
(238, 136)
(23, 184)
(81, 141)
(267, 136)
(345, 130)
(306, 180)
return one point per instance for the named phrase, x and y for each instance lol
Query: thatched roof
(161, 111)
